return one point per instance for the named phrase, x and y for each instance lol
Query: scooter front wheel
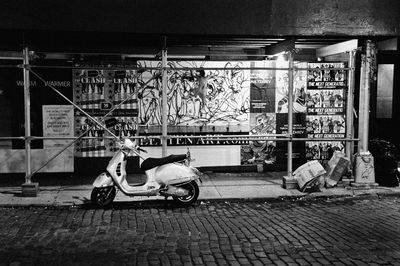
(103, 196)
(194, 192)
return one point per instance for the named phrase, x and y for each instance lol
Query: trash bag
(385, 160)
(382, 148)
(386, 173)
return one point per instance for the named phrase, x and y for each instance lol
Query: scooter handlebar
(140, 149)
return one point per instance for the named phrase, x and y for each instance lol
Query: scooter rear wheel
(103, 196)
(193, 194)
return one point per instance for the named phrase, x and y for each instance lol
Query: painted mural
(209, 98)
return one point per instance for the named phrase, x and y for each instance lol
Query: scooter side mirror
(129, 144)
(119, 143)
(188, 156)
(140, 149)
(188, 159)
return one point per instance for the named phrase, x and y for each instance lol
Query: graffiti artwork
(260, 151)
(197, 97)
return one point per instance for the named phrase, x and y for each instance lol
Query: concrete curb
(152, 202)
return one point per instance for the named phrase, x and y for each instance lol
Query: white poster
(58, 121)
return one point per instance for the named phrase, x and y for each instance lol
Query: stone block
(30, 189)
(289, 183)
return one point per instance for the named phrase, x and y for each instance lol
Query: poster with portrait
(325, 126)
(299, 89)
(260, 151)
(326, 75)
(322, 150)
(325, 102)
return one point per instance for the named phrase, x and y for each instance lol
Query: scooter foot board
(180, 180)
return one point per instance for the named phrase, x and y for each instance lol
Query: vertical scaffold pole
(28, 188)
(290, 115)
(350, 106)
(364, 101)
(164, 123)
(364, 171)
(27, 108)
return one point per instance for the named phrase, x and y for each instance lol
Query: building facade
(226, 79)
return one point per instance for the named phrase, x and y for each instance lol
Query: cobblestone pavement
(363, 231)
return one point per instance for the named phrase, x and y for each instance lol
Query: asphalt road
(362, 231)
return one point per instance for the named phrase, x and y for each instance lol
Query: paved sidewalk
(216, 186)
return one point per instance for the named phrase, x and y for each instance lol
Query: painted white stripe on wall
(206, 155)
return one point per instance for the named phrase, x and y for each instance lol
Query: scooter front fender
(103, 180)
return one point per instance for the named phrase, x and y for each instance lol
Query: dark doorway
(385, 97)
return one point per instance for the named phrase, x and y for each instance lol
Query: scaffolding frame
(28, 69)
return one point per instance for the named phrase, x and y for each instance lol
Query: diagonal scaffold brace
(95, 121)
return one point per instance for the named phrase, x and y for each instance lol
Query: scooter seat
(154, 162)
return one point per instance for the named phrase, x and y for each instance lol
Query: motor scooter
(167, 176)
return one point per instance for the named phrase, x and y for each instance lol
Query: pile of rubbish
(312, 176)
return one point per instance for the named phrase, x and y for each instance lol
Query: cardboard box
(307, 173)
(337, 167)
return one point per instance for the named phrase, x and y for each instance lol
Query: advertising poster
(299, 131)
(260, 151)
(299, 89)
(262, 87)
(124, 82)
(90, 88)
(262, 114)
(325, 102)
(321, 77)
(326, 87)
(96, 92)
(325, 126)
(322, 150)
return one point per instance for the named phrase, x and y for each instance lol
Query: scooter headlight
(196, 171)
